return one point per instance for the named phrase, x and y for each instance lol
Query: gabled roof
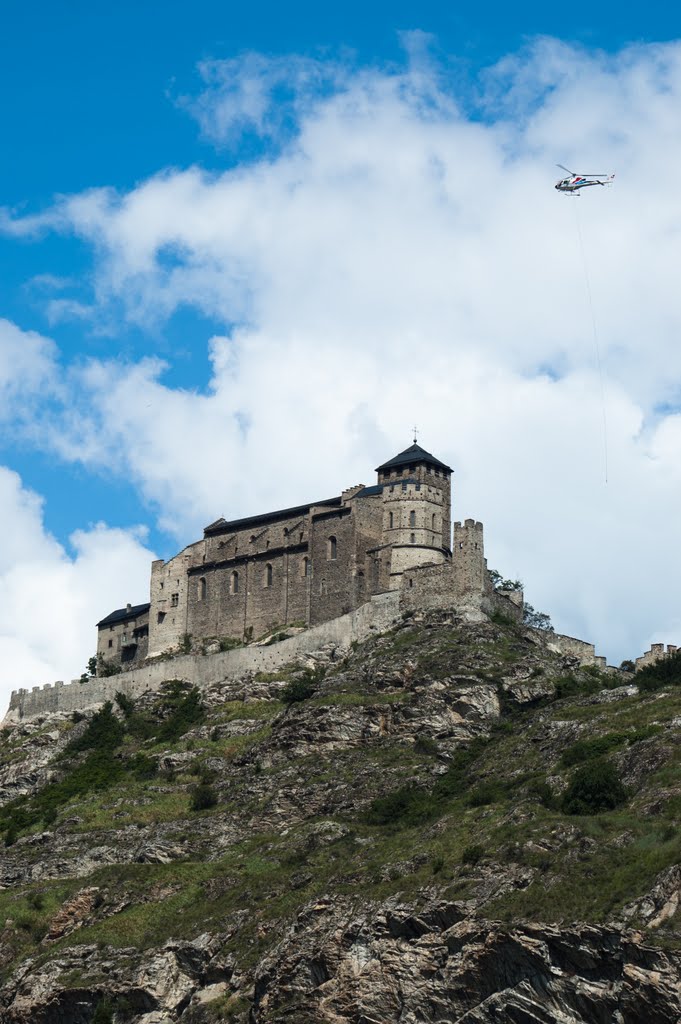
(414, 454)
(224, 526)
(122, 614)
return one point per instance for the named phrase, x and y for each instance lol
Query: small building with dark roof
(123, 637)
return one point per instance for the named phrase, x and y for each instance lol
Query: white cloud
(404, 257)
(50, 599)
(28, 370)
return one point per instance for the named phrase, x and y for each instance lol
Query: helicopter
(572, 185)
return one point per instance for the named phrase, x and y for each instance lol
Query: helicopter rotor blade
(564, 168)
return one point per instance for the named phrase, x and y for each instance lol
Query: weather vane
(415, 429)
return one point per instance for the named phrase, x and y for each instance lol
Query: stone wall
(376, 615)
(656, 653)
(570, 645)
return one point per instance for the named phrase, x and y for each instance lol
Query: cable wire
(596, 344)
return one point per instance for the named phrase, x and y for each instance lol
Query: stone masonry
(303, 565)
(656, 653)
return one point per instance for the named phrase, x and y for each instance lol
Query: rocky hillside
(452, 823)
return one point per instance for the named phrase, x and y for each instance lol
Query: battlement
(656, 653)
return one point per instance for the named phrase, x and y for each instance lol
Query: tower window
(418, 487)
(307, 568)
(404, 485)
(203, 589)
(391, 519)
(433, 521)
(268, 575)
(412, 538)
(234, 583)
(174, 600)
(331, 548)
(110, 643)
(412, 518)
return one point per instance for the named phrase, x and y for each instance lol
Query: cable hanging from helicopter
(572, 186)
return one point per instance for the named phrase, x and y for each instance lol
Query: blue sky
(128, 130)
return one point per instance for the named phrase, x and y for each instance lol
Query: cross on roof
(415, 429)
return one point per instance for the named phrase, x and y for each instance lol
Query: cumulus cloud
(401, 256)
(50, 597)
(28, 369)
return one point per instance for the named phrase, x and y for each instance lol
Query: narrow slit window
(268, 575)
(331, 548)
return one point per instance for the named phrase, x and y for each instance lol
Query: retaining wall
(378, 614)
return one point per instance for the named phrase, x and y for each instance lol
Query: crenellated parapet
(656, 653)
(376, 615)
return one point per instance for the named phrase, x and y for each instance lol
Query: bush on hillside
(303, 686)
(594, 787)
(203, 797)
(665, 672)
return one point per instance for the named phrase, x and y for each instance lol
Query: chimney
(128, 607)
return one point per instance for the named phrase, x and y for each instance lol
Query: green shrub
(594, 787)
(573, 685)
(104, 732)
(499, 619)
(426, 745)
(485, 793)
(104, 1014)
(586, 750)
(473, 854)
(404, 807)
(143, 767)
(665, 672)
(598, 746)
(203, 797)
(124, 702)
(183, 708)
(303, 686)
(543, 792)
(185, 644)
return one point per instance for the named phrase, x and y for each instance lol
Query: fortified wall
(377, 615)
(656, 653)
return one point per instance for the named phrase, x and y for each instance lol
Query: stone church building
(308, 564)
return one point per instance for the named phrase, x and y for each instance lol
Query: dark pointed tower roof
(413, 455)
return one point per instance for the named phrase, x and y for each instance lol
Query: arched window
(203, 589)
(234, 583)
(268, 575)
(412, 518)
(391, 520)
(307, 567)
(331, 548)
